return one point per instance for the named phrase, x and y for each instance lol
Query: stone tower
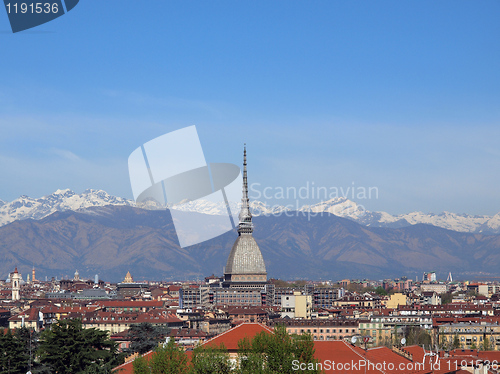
(245, 264)
(15, 279)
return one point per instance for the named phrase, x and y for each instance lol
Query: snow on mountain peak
(63, 192)
(26, 207)
(339, 206)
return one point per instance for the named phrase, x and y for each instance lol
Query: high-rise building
(245, 266)
(245, 275)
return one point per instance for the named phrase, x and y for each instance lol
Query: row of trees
(487, 344)
(66, 348)
(14, 351)
(264, 354)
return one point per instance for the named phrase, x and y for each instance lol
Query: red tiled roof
(489, 355)
(442, 366)
(155, 319)
(123, 335)
(128, 367)
(343, 357)
(129, 303)
(67, 309)
(231, 337)
(381, 355)
(29, 315)
(247, 310)
(416, 351)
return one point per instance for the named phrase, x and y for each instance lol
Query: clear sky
(399, 95)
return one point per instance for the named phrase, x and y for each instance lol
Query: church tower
(15, 278)
(245, 266)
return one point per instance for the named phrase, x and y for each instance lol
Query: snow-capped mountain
(447, 220)
(25, 207)
(339, 206)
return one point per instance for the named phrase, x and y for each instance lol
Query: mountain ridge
(25, 207)
(117, 239)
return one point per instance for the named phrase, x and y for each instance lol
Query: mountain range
(29, 208)
(95, 232)
(114, 239)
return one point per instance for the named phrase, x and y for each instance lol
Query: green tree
(13, 357)
(145, 337)
(169, 359)
(275, 353)
(211, 360)
(395, 336)
(166, 359)
(485, 345)
(68, 348)
(446, 298)
(456, 342)
(418, 336)
(252, 359)
(141, 366)
(443, 342)
(380, 291)
(96, 368)
(424, 338)
(28, 339)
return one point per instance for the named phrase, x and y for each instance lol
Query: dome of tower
(245, 257)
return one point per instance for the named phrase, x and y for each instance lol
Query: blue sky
(400, 95)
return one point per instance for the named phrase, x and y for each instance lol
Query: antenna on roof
(430, 354)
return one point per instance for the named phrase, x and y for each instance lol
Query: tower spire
(245, 225)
